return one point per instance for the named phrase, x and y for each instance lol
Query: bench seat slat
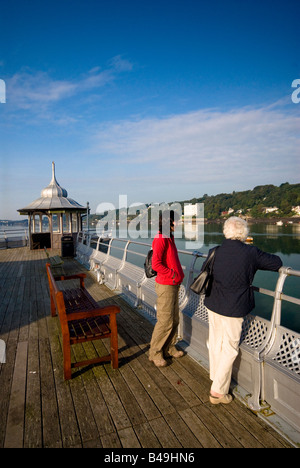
(91, 327)
(78, 299)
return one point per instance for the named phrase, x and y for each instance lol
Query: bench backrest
(56, 295)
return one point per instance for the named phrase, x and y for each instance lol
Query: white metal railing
(266, 347)
(11, 238)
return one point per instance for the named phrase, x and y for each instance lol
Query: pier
(135, 406)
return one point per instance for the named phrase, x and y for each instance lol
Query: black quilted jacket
(235, 266)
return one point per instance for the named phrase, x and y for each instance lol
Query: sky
(158, 100)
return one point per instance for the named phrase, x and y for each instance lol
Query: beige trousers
(224, 340)
(165, 331)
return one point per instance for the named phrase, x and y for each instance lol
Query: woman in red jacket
(165, 262)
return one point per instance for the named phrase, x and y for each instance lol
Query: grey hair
(236, 229)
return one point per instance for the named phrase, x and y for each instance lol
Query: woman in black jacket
(231, 298)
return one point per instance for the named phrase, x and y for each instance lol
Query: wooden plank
(85, 418)
(158, 397)
(50, 418)
(10, 334)
(67, 413)
(6, 377)
(145, 378)
(148, 376)
(112, 400)
(182, 431)
(193, 376)
(199, 429)
(99, 408)
(128, 438)
(224, 436)
(146, 436)
(187, 394)
(264, 434)
(114, 414)
(84, 414)
(111, 441)
(33, 416)
(15, 420)
(129, 403)
(139, 393)
(164, 434)
(243, 435)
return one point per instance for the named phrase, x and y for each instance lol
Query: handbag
(202, 283)
(148, 265)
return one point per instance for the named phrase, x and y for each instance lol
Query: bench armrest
(83, 314)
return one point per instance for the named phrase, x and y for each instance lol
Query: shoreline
(285, 220)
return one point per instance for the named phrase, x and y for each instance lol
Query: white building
(296, 209)
(190, 210)
(272, 209)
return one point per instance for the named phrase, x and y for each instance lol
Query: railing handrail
(13, 238)
(284, 271)
(13, 231)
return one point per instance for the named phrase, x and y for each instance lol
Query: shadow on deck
(135, 406)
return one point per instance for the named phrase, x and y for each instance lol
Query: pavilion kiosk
(54, 219)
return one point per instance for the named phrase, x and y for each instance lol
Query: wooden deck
(136, 406)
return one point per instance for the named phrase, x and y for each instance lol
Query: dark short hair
(166, 220)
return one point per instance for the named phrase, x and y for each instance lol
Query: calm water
(280, 240)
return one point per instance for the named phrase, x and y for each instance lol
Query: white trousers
(224, 339)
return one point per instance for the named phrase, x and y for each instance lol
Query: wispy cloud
(27, 89)
(245, 145)
(36, 90)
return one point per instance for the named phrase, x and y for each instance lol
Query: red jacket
(165, 261)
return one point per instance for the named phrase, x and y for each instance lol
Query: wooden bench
(82, 320)
(54, 261)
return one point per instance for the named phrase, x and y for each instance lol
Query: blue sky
(157, 100)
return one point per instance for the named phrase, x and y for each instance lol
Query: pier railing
(268, 366)
(12, 238)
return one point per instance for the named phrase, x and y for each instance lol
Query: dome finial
(54, 189)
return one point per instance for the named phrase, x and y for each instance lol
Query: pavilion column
(51, 230)
(29, 230)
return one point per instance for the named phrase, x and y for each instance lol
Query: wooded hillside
(252, 202)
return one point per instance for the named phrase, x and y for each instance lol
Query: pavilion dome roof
(53, 197)
(53, 189)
